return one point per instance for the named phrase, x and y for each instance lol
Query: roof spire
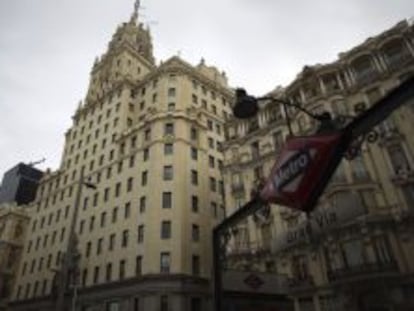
(134, 16)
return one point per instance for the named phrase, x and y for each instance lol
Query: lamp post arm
(295, 105)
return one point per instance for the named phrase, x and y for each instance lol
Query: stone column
(340, 82)
(349, 75)
(380, 57)
(376, 62)
(322, 85)
(302, 95)
(409, 44)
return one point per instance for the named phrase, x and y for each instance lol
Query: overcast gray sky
(47, 48)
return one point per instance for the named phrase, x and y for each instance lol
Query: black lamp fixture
(246, 106)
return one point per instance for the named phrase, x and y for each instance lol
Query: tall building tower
(149, 139)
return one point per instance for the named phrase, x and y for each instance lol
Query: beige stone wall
(13, 227)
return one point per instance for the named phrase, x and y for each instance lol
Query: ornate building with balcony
(355, 250)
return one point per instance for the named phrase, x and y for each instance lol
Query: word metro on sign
(303, 169)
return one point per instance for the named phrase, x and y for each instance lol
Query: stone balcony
(363, 272)
(301, 283)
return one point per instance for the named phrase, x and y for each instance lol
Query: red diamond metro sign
(304, 167)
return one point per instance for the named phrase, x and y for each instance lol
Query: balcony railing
(403, 177)
(397, 61)
(366, 76)
(301, 282)
(387, 135)
(249, 250)
(237, 188)
(368, 270)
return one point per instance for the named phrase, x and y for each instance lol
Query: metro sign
(303, 170)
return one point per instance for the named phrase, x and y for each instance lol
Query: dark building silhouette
(19, 184)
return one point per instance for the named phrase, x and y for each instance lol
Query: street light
(71, 255)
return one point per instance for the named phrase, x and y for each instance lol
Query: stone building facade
(13, 227)
(356, 250)
(148, 137)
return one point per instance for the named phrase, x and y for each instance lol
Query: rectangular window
(166, 229)
(131, 161)
(96, 275)
(114, 214)
(124, 238)
(171, 106)
(84, 276)
(111, 242)
(169, 129)
(165, 262)
(133, 142)
(147, 134)
(194, 177)
(122, 269)
(195, 263)
(168, 172)
(99, 246)
(353, 253)
(171, 92)
(194, 204)
(211, 142)
(127, 210)
(166, 200)
(95, 199)
(130, 184)
(108, 276)
(213, 184)
(117, 190)
(193, 133)
(194, 153)
(142, 204)
(211, 161)
(145, 154)
(168, 149)
(218, 129)
(138, 265)
(195, 233)
(88, 249)
(210, 125)
(194, 99)
(91, 223)
(140, 233)
(144, 178)
(106, 194)
(103, 219)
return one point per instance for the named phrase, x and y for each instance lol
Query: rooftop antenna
(33, 163)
